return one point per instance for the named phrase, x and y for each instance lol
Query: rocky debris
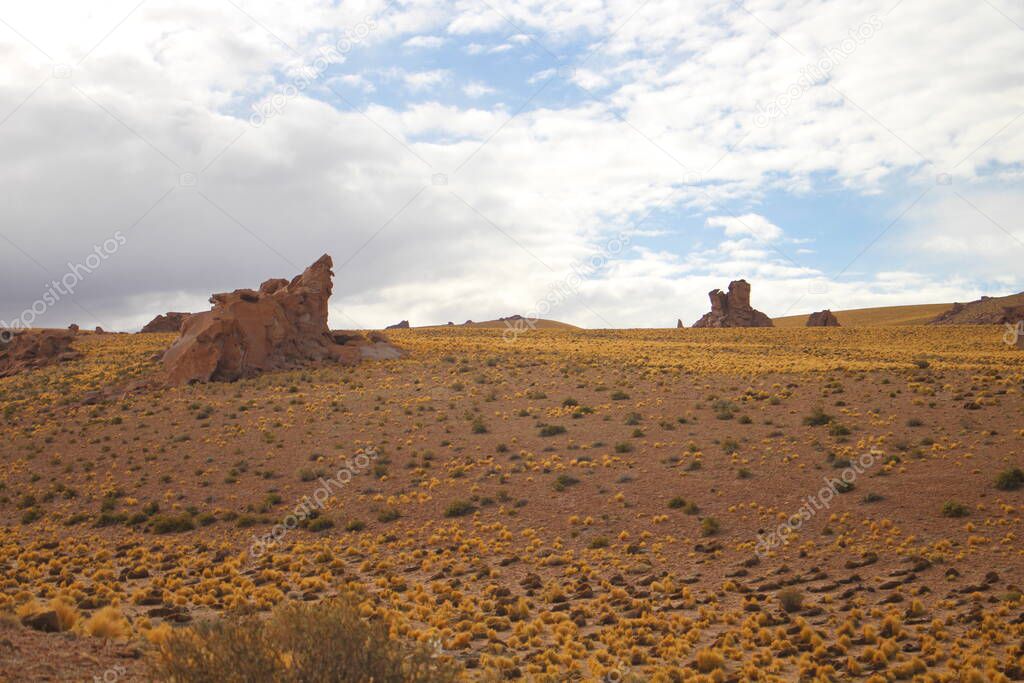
(985, 311)
(679, 324)
(24, 350)
(404, 325)
(283, 325)
(824, 318)
(733, 309)
(169, 322)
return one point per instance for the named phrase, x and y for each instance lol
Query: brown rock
(47, 622)
(733, 309)
(282, 325)
(169, 322)
(404, 325)
(679, 324)
(823, 319)
(24, 350)
(985, 311)
(99, 330)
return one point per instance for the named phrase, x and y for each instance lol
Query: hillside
(885, 316)
(985, 311)
(540, 324)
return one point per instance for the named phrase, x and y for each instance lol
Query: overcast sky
(470, 158)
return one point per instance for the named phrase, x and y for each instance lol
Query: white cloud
(681, 81)
(422, 80)
(476, 90)
(426, 42)
(750, 224)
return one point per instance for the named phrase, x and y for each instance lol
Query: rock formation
(404, 325)
(733, 309)
(24, 350)
(679, 324)
(282, 325)
(169, 322)
(823, 319)
(985, 311)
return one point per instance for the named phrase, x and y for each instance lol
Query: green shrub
(552, 430)
(817, 418)
(170, 524)
(1010, 480)
(954, 509)
(459, 508)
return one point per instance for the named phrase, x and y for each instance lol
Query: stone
(47, 622)
(282, 325)
(168, 322)
(25, 350)
(823, 319)
(679, 324)
(733, 309)
(404, 325)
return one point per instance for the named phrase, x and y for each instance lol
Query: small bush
(1010, 480)
(791, 599)
(709, 526)
(298, 643)
(677, 503)
(817, 418)
(564, 481)
(552, 430)
(954, 509)
(170, 524)
(459, 508)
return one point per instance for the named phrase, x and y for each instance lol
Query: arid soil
(576, 505)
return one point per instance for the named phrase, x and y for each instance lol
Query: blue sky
(770, 140)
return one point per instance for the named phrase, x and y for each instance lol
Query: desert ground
(573, 505)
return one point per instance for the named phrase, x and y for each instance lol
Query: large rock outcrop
(282, 325)
(985, 311)
(24, 350)
(404, 325)
(824, 318)
(733, 309)
(169, 322)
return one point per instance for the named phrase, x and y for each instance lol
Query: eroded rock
(733, 309)
(169, 322)
(824, 318)
(24, 350)
(282, 325)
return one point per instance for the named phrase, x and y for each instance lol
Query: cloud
(671, 129)
(476, 90)
(425, 42)
(750, 224)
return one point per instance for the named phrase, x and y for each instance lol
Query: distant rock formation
(450, 324)
(282, 325)
(99, 330)
(169, 322)
(404, 325)
(823, 319)
(733, 309)
(512, 318)
(468, 322)
(24, 350)
(679, 324)
(985, 311)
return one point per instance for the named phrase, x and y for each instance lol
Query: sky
(601, 162)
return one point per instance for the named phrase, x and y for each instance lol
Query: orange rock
(282, 325)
